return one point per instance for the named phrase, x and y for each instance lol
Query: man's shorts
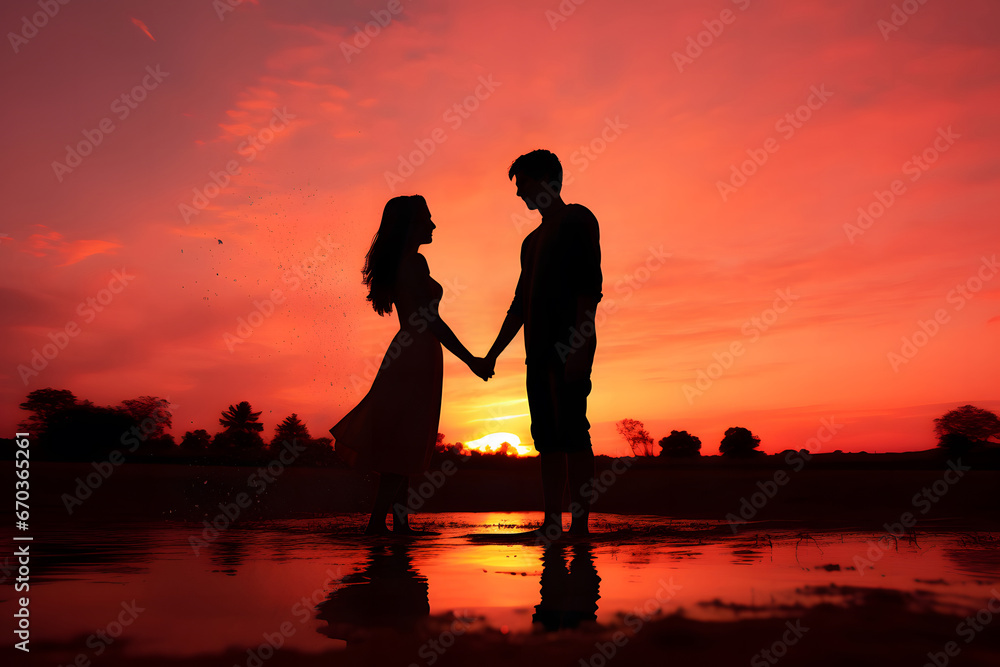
(558, 409)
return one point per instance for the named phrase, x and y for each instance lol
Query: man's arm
(587, 252)
(511, 325)
(578, 360)
(513, 322)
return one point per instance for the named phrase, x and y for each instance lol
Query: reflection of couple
(391, 593)
(388, 593)
(393, 430)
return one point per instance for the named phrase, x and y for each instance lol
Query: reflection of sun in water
(494, 442)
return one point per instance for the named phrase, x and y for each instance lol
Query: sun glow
(494, 443)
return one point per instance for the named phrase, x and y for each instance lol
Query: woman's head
(406, 224)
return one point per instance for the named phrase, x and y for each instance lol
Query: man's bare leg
(553, 488)
(581, 485)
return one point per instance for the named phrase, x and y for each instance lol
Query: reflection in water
(86, 570)
(228, 554)
(388, 593)
(569, 594)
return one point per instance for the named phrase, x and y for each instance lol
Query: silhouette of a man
(555, 300)
(569, 594)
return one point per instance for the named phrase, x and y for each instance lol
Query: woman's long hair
(382, 260)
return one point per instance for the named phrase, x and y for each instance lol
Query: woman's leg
(389, 484)
(400, 512)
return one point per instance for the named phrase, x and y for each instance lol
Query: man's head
(538, 176)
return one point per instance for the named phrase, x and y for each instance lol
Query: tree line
(960, 430)
(64, 428)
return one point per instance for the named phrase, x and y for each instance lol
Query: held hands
(483, 367)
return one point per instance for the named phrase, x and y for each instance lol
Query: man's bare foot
(544, 534)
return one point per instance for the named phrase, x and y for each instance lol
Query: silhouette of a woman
(394, 428)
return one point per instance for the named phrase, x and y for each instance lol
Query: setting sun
(494, 442)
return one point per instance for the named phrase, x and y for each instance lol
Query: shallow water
(317, 582)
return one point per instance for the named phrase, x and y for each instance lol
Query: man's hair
(540, 164)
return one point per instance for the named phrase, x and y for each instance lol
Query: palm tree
(241, 418)
(242, 427)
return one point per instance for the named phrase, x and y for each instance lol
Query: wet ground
(183, 590)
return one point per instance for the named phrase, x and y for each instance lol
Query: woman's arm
(447, 337)
(481, 367)
(419, 274)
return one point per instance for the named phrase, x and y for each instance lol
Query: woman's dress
(394, 427)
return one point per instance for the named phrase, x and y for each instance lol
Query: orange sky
(645, 135)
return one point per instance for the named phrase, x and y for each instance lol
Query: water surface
(318, 583)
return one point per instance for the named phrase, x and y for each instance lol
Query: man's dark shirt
(560, 262)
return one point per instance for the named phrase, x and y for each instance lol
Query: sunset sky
(657, 110)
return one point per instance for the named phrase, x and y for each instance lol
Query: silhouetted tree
(44, 404)
(319, 452)
(240, 417)
(955, 442)
(68, 429)
(636, 436)
(971, 423)
(739, 442)
(86, 432)
(446, 450)
(196, 441)
(290, 429)
(151, 413)
(680, 444)
(242, 429)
